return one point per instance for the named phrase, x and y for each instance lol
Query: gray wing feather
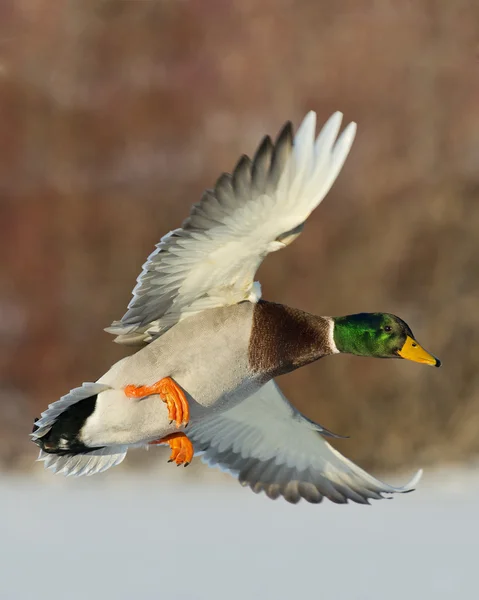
(281, 153)
(261, 165)
(270, 447)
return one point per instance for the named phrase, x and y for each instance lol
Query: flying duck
(208, 348)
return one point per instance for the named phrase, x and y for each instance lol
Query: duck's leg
(170, 392)
(181, 448)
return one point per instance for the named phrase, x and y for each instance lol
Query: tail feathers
(57, 431)
(50, 416)
(90, 463)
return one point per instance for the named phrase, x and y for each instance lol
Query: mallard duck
(202, 381)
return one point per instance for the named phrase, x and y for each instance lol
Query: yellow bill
(413, 351)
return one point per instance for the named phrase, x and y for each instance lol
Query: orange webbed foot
(170, 392)
(182, 450)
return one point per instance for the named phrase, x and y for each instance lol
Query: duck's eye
(388, 328)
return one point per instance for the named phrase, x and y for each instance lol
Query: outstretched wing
(212, 259)
(271, 447)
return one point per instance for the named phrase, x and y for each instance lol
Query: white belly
(205, 354)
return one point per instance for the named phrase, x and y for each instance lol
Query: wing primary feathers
(242, 178)
(224, 191)
(262, 164)
(281, 153)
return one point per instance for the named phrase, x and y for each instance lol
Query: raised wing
(271, 447)
(212, 259)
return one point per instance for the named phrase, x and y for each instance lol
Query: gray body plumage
(207, 355)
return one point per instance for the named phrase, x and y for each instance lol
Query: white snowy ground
(158, 536)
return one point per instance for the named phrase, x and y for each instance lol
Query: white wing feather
(271, 447)
(212, 259)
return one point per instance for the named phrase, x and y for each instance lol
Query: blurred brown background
(115, 114)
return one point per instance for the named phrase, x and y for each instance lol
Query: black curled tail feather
(63, 437)
(58, 429)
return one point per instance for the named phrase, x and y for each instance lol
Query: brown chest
(283, 339)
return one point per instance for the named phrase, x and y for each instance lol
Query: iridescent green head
(381, 335)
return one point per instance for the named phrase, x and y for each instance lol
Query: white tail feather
(75, 465)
